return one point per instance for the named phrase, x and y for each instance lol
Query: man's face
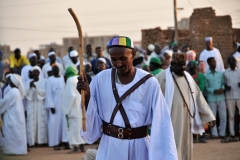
(178, 68)
(88, 68)
(175, 48)
(74, 59)
(52, 58)
(33, 61)
(122, 58)
(202, 67)
(209, 45)
(35, 73)
(38, 55)
(152, 67)
(212, 63)
(191, 66)
(232, 63)
(17, 55)
(99, 52)
(190, 57)
(149, 52)
(157, 49)
(89, 49)
(101, 66)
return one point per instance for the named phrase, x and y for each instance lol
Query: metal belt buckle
(120, 133)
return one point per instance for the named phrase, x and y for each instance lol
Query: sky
(28, 23)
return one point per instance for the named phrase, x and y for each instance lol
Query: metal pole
(175, 20)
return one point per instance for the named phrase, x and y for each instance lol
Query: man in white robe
(188, 112)
(210, 51)
(237, 55)
(14, 129)
(49, 65)
(144, 108)
(71, 59)
(70, 106)
(57, 124)
(36, 113)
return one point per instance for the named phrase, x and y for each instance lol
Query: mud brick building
(203, 23)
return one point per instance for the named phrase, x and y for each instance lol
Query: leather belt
(124, 133)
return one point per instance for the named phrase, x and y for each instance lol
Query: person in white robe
(57, 124)
(237, 55)
(70, 106)
(71, 59)
(49, 65)
(144, 107)
(188, 108)
(149, 54)
(210, 51)
(14, 129)
(36, 113)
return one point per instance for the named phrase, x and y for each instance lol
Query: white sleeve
(49, 103)
(221, 65)
(40, 90)
(162, 142)
(8, 101)
(93, 120)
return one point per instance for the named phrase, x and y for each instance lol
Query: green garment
(155, 72)
(71, 71)
(213, 82)
(200, 80)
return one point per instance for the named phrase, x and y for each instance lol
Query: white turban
(51, 53)
(238, 45)
(208, 39)
(32, 55)
(36, 68)
(151, 47)
(191, 52)
(16, 80)
(102, 60)
(8, 75)
(88, 63)
(42, 58)
(168, 52)
(73, 53)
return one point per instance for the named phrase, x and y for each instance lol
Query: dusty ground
(213, 150)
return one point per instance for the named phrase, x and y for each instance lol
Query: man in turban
(125, 101)
(155, 65)
(211, 51)
(14, 128)
(187, 106)
(71, 102)
(236, 55)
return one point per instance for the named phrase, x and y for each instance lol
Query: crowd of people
(40, 104)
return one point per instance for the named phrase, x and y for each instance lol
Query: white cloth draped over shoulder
(14, 129)
(237, 57)
(196, 123)
(57, 124)
(71, 106)
(25, 74)
(213, 53)
(146, 106)
(36, 113)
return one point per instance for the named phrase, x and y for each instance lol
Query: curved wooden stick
(80, 53)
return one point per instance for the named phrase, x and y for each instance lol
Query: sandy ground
(213, 150)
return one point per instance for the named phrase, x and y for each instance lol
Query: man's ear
(134, 53)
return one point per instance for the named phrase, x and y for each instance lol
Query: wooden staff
(80, 53)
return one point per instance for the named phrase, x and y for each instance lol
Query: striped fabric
(121, 41)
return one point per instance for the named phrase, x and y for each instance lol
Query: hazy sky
(28, 23)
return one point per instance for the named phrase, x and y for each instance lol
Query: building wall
(184, 23)
(203, 23)
(6, 51)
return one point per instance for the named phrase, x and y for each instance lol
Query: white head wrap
(42, 57)
(238, 45)
(102, 60)
(51, 53)
(191, 52)
(32, 55)
(73, 53)
(16, 80)
(88, 63)
(151, 47)
(8, 75)
(208, 39)
(168, 52)
(36, 68)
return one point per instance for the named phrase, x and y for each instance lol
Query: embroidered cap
(121, 41)
(179, 58)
